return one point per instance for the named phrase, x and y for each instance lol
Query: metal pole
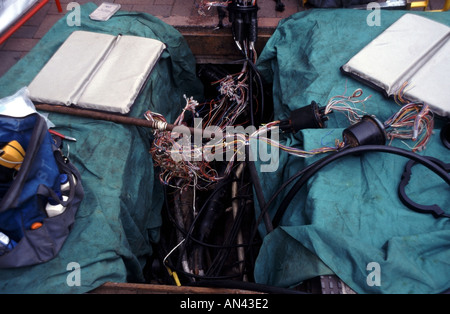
(98, 115)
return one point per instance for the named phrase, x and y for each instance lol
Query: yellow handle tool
(12, 155)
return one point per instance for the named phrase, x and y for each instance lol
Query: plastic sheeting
(415, 50)
(348, 219)
(97, 71)
(11, 10)
(119, 218)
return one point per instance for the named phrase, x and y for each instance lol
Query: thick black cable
(189, 237)
(261, 91)
(445, 135)
(221, 257)
(250, 92)
(264, 211)
(434, 209)
(261, 87)
(258, 189)
(351, 151)
(188, 234)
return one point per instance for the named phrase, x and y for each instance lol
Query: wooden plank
(218, 46)
(135, 288)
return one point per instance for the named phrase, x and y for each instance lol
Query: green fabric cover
(348, 215)
(119, 218)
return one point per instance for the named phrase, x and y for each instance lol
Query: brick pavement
(179, 13)
(174, 12)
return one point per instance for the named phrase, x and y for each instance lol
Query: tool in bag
(40, 192)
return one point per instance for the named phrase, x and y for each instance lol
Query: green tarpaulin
(119, 217)
(348, 219)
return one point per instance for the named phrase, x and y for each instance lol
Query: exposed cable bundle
(414, 121)
(174, 151)
(210, 242)
(348, 105)
(208, 194)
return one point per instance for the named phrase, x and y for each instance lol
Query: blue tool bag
(37, 209)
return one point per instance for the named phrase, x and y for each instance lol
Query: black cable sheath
(261, 87)
(250, 91)
(188, 234)
(434, 209)
(264, 210)
(349, 151)
(258, 189)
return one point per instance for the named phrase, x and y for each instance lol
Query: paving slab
(182, 14)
